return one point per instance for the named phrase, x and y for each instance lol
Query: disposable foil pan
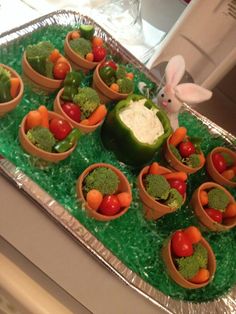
(226, 304)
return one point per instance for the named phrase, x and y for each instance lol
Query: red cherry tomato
(99, 53)
(110, 205)
(60, 128)
(109, 63)
(219, 162)
(214, 214)
(60, 70)
(72, 110)
(181, 245)
(179, 185)
(186, 149)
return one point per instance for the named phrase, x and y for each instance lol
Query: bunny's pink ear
(192, 93)
(175, 70)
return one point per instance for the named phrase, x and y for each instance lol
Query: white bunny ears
(172, 95)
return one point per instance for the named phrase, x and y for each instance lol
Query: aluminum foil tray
(66, 218)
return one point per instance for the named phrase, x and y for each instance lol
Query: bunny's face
(167, 100)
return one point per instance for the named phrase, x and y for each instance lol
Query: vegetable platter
(129, 246)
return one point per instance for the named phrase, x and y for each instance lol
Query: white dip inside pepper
(144, 123)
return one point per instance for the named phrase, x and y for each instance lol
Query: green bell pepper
(108, 75)
(5, 86)
(71, 84)
(116, 136)
(68, 142)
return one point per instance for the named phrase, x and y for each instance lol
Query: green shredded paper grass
(135, 241)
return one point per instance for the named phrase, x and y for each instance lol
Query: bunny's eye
(169, 100)
(162, 95)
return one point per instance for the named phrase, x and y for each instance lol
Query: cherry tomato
(60, 70)
(99, 53)
(109, 63)
(110, 205)
(179, 185)
(60, 128)
(219, 162)
(72, 110)
(214, 214)
(186, 149)
(181, 245)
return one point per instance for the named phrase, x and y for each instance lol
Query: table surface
(40, 248)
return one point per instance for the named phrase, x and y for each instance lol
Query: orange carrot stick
(125, 199)
(34, 118)
(202, 276)
(230, 210)
(15, 84)
(55, 54)
(98, 115)
(228, 174)
(44, 114)
(155, 168)
(94, 198)
(176, 175)
(203, 197)
(178, 136)
(84, 122)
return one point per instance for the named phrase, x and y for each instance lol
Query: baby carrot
(98, 115)
(84, 122)
(202, 276)
(125, 199)
(114, 87)
(153, 169)
(230, 210)
(33, 118)
(176, 175)
(203, 197)
(156, 169)
(44, 114)
(178, 136)
(228, 174)
(193, 234)
(74, 35)
(54, 56)
(89, 56)
(94, 198)
(15, 84)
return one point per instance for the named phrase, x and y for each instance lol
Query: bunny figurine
(172, 95)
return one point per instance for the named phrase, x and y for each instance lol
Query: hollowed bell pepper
(116, 136)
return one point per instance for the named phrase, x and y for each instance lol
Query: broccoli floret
(157, 186)
(174, 199)
(217, 199)
(87, 99)
(121, 72)
(5, 85)
(126, 85)
(42, 138)
(193, 161)
(38, 57)
(81, 46)
(189, 266)
(103, 179)
(4, 74)
(200, 252)
(41, 49)
(175, 152)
